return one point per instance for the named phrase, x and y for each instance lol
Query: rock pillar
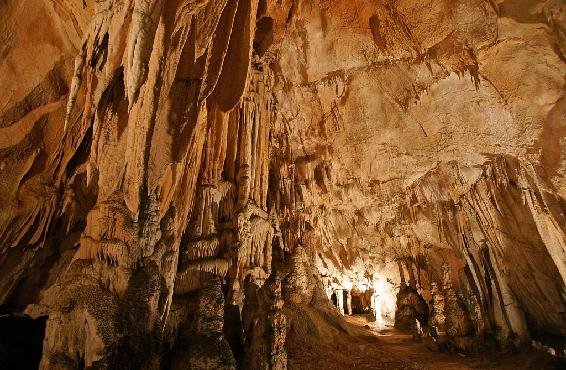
(340, 300)
(348, 302)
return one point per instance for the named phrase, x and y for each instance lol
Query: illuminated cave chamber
(373, 297)
(273, 184)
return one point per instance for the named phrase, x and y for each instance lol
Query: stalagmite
(340, 299)
(348, 310)
(437, 316)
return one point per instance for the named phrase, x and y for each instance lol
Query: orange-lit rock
(272, 157)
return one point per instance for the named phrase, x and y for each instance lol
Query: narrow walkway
(328, 341)
(388, 340)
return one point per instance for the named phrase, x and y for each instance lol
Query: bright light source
(383, 300)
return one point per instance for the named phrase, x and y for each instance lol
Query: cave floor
(371, 346)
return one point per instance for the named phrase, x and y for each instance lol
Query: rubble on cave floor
(363, 344)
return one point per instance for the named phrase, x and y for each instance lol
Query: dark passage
(334, 299)
(357, 305)
(21, 342)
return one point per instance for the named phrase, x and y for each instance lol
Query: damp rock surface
(223, 183)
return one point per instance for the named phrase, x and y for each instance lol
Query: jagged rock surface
(161, 160)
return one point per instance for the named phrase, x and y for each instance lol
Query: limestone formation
(202, 344)
(412, 311)
(437, 317)
(225, 183)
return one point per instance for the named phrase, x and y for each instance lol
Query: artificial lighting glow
(347, 284)
(383, 300)
(377, 308)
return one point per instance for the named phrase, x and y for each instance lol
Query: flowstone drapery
(250, 162)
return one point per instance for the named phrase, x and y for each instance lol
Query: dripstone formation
(198, 184)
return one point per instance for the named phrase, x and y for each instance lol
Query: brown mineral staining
(271, 184)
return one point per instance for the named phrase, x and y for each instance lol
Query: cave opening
(233, 330)
(264, 29)
(334, 299)
(373, 300)
(21, 341)
(357, 305)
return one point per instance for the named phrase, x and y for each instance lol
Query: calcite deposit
(198, 184)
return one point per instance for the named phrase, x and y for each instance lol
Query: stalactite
(190, 149)
(75, 85)
(203, 248)
(245, 154)
(216, 266)
(140, 40)
(549, 228)
(115, 253)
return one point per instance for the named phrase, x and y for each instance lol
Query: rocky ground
(366, 345)
(182, 180)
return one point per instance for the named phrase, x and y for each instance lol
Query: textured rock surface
(429, 132)
(162, 159)
(202, 345)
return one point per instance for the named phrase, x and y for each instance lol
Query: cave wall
(160, 153)
(421, 133)
(139, 197)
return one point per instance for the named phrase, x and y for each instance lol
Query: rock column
(348, 302)
(340, 300)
